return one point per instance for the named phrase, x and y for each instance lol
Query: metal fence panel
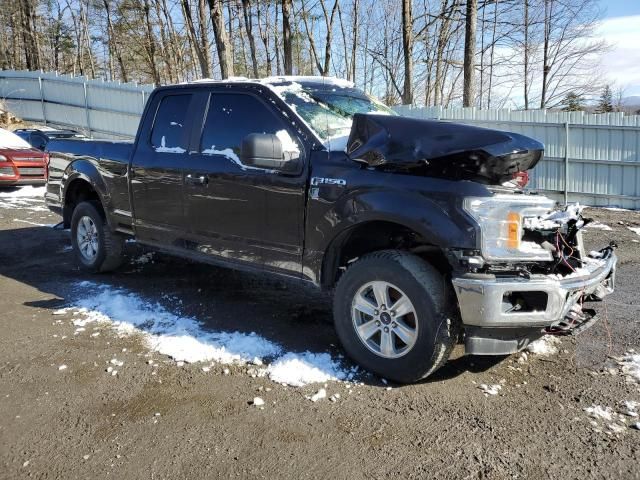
(99, 108)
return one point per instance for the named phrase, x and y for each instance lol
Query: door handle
(197, 179)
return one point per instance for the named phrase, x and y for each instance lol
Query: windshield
(329, 112)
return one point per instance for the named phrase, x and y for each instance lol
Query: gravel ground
(181, 422)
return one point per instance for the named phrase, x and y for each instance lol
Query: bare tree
(222, 41)
(248, 23)
(407, 48)
(193, 37)
(286, 37)
(471, 21)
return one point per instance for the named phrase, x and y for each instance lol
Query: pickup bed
(420, 228)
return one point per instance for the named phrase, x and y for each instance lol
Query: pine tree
(572, 102)
(605, 104)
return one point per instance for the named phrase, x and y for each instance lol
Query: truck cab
(416, 226)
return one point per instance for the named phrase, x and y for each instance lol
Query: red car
(20, 163)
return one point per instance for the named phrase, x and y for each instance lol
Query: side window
(233, 116)
(39, 141)
(168, 134)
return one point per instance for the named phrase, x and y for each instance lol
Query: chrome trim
(480, 297)
(124, 213)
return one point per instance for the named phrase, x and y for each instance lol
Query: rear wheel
(392, 316)
(96, 247)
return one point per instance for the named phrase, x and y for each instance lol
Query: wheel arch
(374, 235)
(80, 187)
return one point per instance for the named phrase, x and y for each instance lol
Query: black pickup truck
(420, 227)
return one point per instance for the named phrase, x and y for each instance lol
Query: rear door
(239, 212)
(157, 164)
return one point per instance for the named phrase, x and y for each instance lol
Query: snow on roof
(11, 140)
(329, 81)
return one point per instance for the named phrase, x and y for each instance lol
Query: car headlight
(500, 220)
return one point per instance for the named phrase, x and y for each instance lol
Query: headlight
(500, 219)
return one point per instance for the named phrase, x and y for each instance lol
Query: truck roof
(306, 80)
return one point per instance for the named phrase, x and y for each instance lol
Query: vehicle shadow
(297, 317)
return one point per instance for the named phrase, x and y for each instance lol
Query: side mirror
(265, 151)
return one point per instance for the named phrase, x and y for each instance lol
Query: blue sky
(621, 8)
(621, 29)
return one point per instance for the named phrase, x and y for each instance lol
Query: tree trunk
(546, 68)
(407, 48)
(204, 35)
(327, 46)
(354, 45)
(469, 52)
(248, 26)
(151, 43)
(222, 42)
(197, 47)
(491, 57)
(526, 54)
(114, 47)
(32, 56)
(264, 35)
(286, 37)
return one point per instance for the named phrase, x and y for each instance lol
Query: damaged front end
(531, 275)
(441, 149)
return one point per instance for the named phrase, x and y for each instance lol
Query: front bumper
(483, 299)
(22, 182)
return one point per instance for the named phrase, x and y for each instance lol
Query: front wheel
(96, 247)
(392, 316)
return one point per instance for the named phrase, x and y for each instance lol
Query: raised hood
(440, 149)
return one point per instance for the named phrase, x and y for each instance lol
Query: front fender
(440, 221)
(437, 217)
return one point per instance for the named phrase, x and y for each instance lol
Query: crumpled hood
(440, 149)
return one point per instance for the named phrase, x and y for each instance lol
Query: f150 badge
(317, 182)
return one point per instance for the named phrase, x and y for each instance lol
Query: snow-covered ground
(547, 345)
(24, 198)
(186, 339)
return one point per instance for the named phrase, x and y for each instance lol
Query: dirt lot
(170, 421)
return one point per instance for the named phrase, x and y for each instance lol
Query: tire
(103, 253)
(417, 343)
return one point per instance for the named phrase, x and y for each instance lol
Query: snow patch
(600, 413)
(547, 345)
(332, 81)
(554, 219)
(231, 155)
(630, 366)
(26, 191)
(635, 230)
(490, 389)
(319, 395)
(164, 149)
(185, 339)
(298, 369)
(599, 226)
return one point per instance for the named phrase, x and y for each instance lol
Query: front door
(238, 212)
